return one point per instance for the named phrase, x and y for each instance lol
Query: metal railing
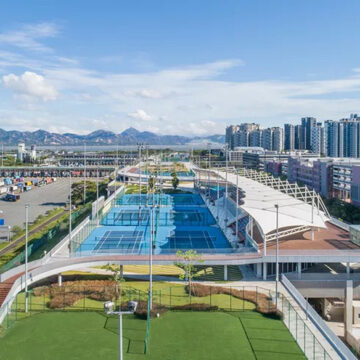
(342, 350)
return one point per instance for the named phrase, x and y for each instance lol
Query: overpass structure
(132, 174)
(56, 171)
(97, 159)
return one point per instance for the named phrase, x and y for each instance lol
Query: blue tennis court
(128, 241)
(143, 199)
(186, 223)
(162, 199)
(203, 239)
(165, 216)
(126, 217)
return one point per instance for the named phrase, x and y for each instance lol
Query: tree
(16, 230)
(175, 180)
(116, 275)
(152, 183)
(187, 260)
(77, 192)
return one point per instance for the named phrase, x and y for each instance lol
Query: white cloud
(191, 100)
(30, 84)
(28, 36)
(145, 93)
(140, 115)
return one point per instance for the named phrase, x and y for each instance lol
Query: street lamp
(97, 196)
(70, 206)
(152, 227)
(84, 172)
(226, 182)
(26, 254)
(237, 207)
(117, 167)
(277, 256)
(108, 307)
(140, 147)
(208, 184)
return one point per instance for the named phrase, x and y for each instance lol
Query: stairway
(5, 287)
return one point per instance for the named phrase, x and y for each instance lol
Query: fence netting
(91, 295)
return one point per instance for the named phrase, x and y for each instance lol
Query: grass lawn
(205, 272)
(174, 336)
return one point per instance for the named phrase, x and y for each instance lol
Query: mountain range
(130, 136)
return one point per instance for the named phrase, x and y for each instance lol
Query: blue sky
(176, 67)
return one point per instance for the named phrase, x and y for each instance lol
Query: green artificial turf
(174, 336)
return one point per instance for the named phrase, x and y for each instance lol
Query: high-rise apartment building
(297, 140)
(318, 140)
(255, 138)
(278, 139)
(307, 124)
(343, 137)
(267, 139)
(289, 137)
(332, 136)
(229, 135)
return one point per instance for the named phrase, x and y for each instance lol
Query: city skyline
(334, 138)
(184, 68)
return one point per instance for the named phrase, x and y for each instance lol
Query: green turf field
(174, 336)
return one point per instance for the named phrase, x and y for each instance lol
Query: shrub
(73, 291)
(196, 307)
(141, 310)
(275, 315)
(262, 301)
(64, 300)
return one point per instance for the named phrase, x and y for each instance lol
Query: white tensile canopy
(260, 201)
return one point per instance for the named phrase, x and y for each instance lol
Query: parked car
(12, 197)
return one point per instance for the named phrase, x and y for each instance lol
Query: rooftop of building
(330, 238)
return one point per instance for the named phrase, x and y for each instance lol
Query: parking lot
(41, 199)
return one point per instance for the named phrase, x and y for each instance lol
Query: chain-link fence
(47, 241)
(91, 295)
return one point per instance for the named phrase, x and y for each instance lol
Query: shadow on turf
(135, 346)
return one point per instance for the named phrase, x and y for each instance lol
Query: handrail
(339, 223)
(341, 349)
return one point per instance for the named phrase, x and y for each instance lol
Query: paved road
(40, 199)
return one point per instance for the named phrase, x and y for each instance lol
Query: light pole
(110, 304)
(70, 208)
(26, 254)
(139, 146)
(152, 227)
(277, 256)
(84, 172)
(226, 182)
(147, 173)
(208, 185)
(237, 207)
(161, 178)
(97, 196)
(199, 164)
(117, 167)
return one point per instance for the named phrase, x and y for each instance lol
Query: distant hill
(130, 136)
